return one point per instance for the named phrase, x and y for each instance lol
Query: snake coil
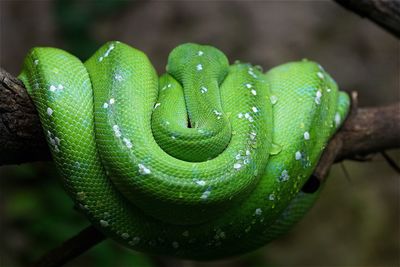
(204, 162)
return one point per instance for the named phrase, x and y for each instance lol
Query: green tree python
(204, 162)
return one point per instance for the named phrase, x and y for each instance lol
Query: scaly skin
(205, 162)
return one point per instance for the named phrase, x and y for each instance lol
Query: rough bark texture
(21, 136)
(371, 129)
(385, 13)
(365, 131)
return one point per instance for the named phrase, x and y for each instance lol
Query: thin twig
(71, 248)
(391, 162)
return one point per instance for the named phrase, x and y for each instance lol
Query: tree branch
(385, 13)
(365, 131)
(71, 248)
(21, 136)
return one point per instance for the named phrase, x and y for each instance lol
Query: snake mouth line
(188, 122)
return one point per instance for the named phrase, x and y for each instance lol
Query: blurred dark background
(356, 220)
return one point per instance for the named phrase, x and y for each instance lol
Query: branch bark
(365, 131)
(71, 248)
(21, 136)
(385, 13)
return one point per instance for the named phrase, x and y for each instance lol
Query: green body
(205, 162)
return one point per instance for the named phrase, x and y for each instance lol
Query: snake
(207, 161)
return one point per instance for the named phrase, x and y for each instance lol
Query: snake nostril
(311, 185)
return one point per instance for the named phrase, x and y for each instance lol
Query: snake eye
(311, 185)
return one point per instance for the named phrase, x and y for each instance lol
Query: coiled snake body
(205, 162)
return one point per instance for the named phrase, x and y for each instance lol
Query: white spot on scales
(200, 182)
(109, 103)
(118, 77)
(57, 140)
(251, 73)
(306, 136)
(125, 235)
(143, 170)
(258, 212)
(248, 117)
(127, 142)
(110, 48)
(103, 223)
(166, 86)
(284, 176)
(117, 131)
(273, 99)
(53, 88)
(206, 194)
(217, 113)
(297, 155)
(237, 166)
(338, 119)
(318, 97)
